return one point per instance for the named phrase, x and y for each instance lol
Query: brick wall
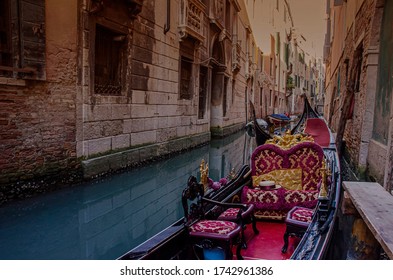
(37, 118)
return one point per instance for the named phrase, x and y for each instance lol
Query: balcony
(217, 13)
(191, 19)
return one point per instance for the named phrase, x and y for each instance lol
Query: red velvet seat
(203, 230)
(266, 159)
(297, 221)
(247, 215)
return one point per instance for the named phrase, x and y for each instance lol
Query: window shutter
(32, 37)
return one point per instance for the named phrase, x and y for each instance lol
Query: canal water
(105, 218)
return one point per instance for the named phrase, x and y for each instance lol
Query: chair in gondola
(247, 217)
(297, 221)
(203, 229)
(299, 218)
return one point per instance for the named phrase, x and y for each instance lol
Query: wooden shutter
(32, 36)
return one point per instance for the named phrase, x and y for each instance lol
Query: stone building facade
(271, 22)
(98, 85)
(358, 84)
(287, 67)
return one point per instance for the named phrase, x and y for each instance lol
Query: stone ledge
(375, 205)
(220, 132)
(132, 157)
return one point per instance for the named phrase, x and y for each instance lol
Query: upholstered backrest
(266, 158)
(306, 155)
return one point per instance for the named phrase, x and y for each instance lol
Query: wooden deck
(375, 206)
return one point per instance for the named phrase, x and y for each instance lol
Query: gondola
(308, 113)
(261, 134)
(173, 242)
(270, 233)
(279, 119)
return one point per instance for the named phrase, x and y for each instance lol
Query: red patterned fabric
(270, 214)
(306, 155)
(213, 226)
(310, 161)
(307, 199)
(301, 214)
(230, 213)
(266, 158)
(275, 204)
(263, 199)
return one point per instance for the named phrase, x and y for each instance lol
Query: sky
(309, 16)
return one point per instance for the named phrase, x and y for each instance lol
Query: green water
(106, 218)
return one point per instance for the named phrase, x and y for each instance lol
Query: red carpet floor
(268, 243)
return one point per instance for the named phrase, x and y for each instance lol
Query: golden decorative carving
(204, 170)
(232, 174)
(288, 140)
(325, 172)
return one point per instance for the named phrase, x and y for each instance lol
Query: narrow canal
(106, 218)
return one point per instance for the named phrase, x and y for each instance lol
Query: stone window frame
(108, 61)
(186, 78)
(118, 31)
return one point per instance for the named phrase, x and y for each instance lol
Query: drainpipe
(167, 25)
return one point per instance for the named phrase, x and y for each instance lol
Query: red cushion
(300, 216)
(213, 226)
(307, 156)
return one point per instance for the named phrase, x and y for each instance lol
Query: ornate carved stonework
(236, 57)
(216, 13)
(134, 7)
(191, 19)
(95, 6)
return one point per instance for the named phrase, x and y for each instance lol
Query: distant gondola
(261, 134)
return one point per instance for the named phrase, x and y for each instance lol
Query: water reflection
(106, 218)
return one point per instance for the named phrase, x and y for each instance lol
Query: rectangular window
(202, 92)
(5, 38)
(108, 61)
(228, 16)
(358, 70)
(271, 66)
(338, 82)
(261, 62)
(271, 98)
(22, 39)
(185, 78)
(233, 90)
(260, 96)
(225, 97)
